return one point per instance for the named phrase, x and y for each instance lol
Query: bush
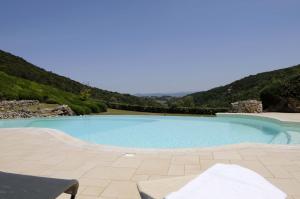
(282, 96)
(20, 89)
(93, 107)
(80, 110)
(102, 107)
(184, 110)
(51, 101)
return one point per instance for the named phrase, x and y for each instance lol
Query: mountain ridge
(17, 66)
(249, 87)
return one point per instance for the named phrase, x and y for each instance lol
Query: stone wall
(247, 106)
(62, 110)
(17, 103)
(30, 108)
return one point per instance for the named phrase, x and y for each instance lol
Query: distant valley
(279, 90)
(175, 94)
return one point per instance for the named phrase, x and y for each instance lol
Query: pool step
(287, 137)
(294, 137)
(281, 138)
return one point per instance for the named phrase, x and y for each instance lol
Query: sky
(153, 46)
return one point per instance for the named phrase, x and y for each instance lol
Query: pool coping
(259, 116)
(76, 142)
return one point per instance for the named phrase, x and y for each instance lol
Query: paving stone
(185, 159)
(279, 172)
(192, 169)
(289, 186)
(92, 191)
(205, 164)
(138, 178)
(120, 189)
(176, 170)
(227, 155)
(255, 166)
(105, 173)
(93, 182)
(112, 173)
(154, 167)
(130, 162)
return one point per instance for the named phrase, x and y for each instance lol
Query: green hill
(252, 87)
(20, 68)
(278, 89)
(14, 88)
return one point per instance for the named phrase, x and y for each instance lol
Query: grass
(42, 106)
(125, 112)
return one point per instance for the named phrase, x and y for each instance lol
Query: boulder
(247, 106)
(62, 110)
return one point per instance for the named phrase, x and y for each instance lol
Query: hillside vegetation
(18, 67)
(14, 88)
(267, 86)
(23, 80)
(282, 96)
(279, 90)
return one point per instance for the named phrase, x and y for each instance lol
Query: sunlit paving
(145, 99)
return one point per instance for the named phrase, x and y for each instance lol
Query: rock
(63, 110)
(293, 105)
(17, 103)
(15, 114)
(247, 106)
(21, 109)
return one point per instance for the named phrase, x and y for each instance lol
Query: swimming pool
(166, 131)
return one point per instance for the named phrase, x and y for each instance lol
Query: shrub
(283, 96)
(184, 110)
(51, 101)
(102, 107)
(80, 110)
(85, 94)
(93, 107)
(17, 88)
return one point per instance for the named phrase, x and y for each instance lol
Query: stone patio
(111, 173)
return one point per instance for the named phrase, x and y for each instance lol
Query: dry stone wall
(23, 109)
(247, 106)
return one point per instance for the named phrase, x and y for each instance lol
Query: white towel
(228, 182)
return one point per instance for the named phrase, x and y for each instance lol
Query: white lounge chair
(221, 181)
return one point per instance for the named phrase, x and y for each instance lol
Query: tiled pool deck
(107, 173)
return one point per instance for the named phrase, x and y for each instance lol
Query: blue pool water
(165, 131)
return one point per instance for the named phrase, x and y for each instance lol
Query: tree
(188, 101)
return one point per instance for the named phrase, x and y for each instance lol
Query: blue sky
(144, 46)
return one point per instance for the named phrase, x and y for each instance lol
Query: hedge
(184, 110)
